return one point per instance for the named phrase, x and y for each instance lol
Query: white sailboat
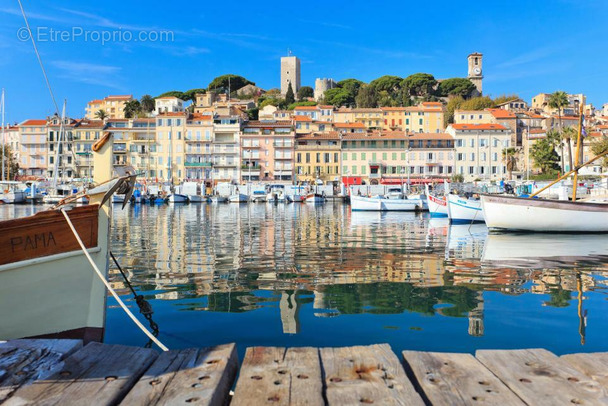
(541, 215)
(381, 203)
(438, 205)
(464, 210)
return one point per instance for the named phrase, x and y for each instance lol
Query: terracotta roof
(430, 136)
(326, 107)
(470, 112)
(265, 124)
(478, 127)
(33, 123)
(306, 108)
(501, 113)
(595, 134)
(172, 114)
(349, 125)
(537, 131)
(118, 120)
(376, 135)
(332, 135)
(370, 110)
(302, 118)
(167, 98)
(436, 104)
(95, 101)
(393, 108)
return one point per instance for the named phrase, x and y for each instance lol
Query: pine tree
(289, 96)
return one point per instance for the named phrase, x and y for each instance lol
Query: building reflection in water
(349, 263)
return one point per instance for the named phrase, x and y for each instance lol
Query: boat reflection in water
(541, 250)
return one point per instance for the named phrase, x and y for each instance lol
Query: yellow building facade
(317, 156)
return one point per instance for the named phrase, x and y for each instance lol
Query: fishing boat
(10, 192)
(47, 286)
(59, 193)
(118, 198)
(276, 194)
(465, 210)
(238, 198)
(420, 200)
(314, 198)
(394, 193)
(438, 206)
(218, 199)
(258, 196)
(503, 212)
(177, 198)
(297, 194)
(380, 203)
(192, 190)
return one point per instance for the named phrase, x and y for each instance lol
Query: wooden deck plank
(456, 379)
(539, 377)
(594, 365)
(274, 376)
(366, 375)
(202, 377)
(98, 373)
(22, 361)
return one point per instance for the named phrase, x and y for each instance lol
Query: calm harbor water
(300, 275)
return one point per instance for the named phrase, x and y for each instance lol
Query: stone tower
(322, 85)
(290, 73)
(475, 74)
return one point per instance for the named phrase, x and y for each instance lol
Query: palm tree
(147, 103)
(132, 108)
(558, 100)
(508, 157)
(101, 114)
(567, 135)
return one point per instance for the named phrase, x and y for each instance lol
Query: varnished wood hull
(47, 286)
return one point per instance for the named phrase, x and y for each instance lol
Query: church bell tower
(475, 73)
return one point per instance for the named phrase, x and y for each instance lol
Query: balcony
(283, 156)
(119, 148)
(224, 149)
(251, 167)
(224, 163)
(198, 164)
(278, 144)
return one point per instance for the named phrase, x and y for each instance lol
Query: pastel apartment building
(114, 106)
(267, 151)
(33, 148)
(317, 157)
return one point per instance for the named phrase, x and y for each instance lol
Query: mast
(2, 175)
(58, 145)
(579, 141)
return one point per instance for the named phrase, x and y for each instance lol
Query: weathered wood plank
(202, 377)
(539, 377)
(456, 379)
(365, 375)
(274, 376)
(22, 361)
(594, 365)
(98, 373)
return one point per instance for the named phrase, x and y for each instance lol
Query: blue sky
(529, 46)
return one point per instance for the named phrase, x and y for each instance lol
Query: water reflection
(264, 274)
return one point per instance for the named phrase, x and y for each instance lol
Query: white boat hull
(238, 198)
(314, 199)
(12, 197)
(296, 198)
(540, 215)
(196, 198)
(438, 207)
(360, 203)
(115, 199)
(219, 199)
(178, 198)
(464, 210)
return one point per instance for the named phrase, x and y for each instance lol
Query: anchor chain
(145, 308)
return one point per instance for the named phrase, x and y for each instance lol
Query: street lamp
(402, 172)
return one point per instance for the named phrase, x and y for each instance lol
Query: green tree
(544, 155)
(101, 114)
(190, 95)
(419, 84)
(274, 92)
(253, 113)
(147, 103)
(11, 165)
(455, 87)
(222, 84)
(351, 85)
(503, 98)
(302, 103)
(477, 103)
(391, 84)
(453, 104)
(367, 97)
(567, 135)
(289, 96)
(339, 97)
(305, 92)
(386, 99)
(600, 146)
(132, 108)
(558, 100)
(509, 157)
(172, 93)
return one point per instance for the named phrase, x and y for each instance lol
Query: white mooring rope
(105, 282)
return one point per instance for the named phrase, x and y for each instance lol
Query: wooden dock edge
(65, 372)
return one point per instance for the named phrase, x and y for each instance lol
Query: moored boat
(177, 198)
(381, 203)
(461, 209)
(238, 198)
(540, 215)
(218, 199)
(10, 193)
(438, 205)
(47, 285)
(258, 196)
(314, 198)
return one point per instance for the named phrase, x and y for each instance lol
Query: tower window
(476, 61)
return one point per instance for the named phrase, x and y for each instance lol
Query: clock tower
(475, 74)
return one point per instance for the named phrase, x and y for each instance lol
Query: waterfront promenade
(61, 372)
